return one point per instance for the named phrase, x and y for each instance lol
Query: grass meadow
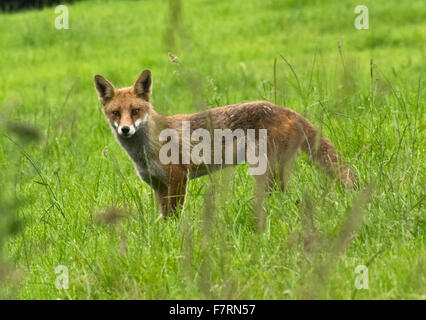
(70, 196)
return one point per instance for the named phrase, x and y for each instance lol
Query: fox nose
(125, 130)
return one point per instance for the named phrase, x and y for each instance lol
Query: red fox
(140, 131)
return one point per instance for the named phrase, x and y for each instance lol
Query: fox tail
(322, 152)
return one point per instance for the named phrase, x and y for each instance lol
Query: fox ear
(104, 88)
(143, 85)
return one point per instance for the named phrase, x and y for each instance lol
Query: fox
(138, 128)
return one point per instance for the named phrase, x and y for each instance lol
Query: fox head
(126, 109)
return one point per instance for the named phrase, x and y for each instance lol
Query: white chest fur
(140, 151)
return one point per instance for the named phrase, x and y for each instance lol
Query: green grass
(374, 114)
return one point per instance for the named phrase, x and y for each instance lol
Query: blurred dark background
(16, 5)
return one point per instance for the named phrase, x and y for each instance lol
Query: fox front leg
(171, 198)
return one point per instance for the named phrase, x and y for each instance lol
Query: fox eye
(135, 112)
(116, 113)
